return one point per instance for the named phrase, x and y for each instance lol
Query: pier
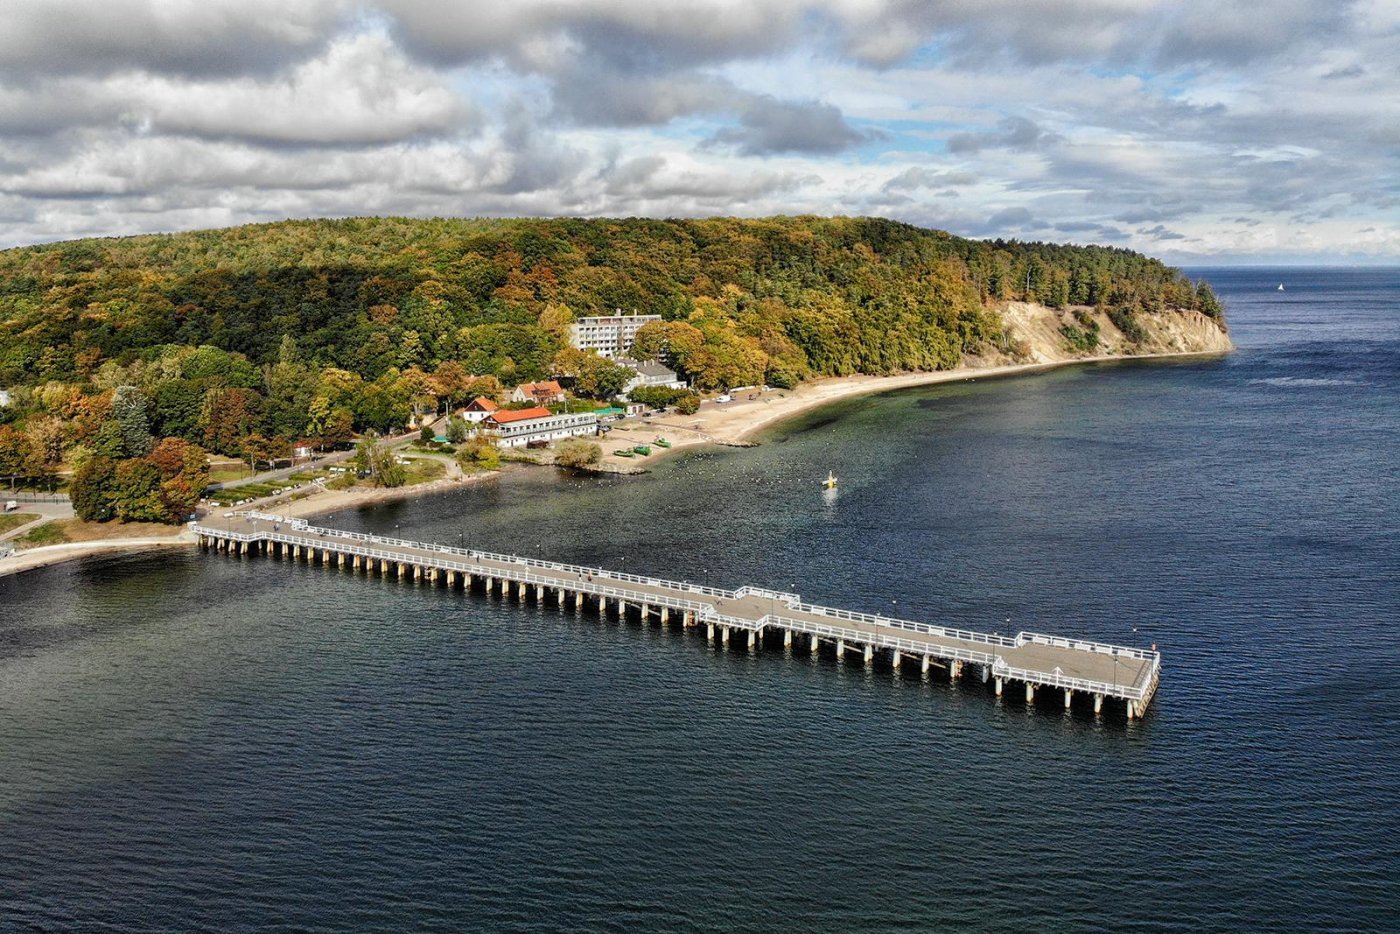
(1075, 670)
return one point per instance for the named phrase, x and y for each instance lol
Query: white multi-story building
(518, 428)
(610, 335)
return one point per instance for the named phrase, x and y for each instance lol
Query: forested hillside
(311, 330)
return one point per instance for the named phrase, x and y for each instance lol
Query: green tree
(136, 491)
(129, 413)
(479, 453)
(93, 489)
(456, 430)
(576, 452)
(340, 429)
(378, 462)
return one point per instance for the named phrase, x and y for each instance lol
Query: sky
(1248, 131)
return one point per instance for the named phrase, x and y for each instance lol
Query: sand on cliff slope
(1035, 330)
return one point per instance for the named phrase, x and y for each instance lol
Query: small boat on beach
(830, 481)
(642, 449)
(625, 452)
(662, 443)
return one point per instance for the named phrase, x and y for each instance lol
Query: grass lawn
(50, 533)
(13, 520)
(424, 470)
(62, 531)
(223, 473)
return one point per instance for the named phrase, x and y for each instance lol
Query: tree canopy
(309, 331)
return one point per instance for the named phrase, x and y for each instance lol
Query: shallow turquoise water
(193, 741)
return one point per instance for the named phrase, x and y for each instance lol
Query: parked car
(11, 505)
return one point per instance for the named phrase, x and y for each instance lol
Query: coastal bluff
(1037, 334)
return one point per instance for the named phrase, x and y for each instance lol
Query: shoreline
(50, 555)
(733, 424)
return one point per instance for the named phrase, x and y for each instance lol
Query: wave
(1305, 381)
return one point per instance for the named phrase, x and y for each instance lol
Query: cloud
(635, 35)
(604, 98)
(1143, 123)
(359, 91)
(1161, 233)
(769, 125)
(1009, 219)
(916, 177)
(190, 37)
(1011, 133)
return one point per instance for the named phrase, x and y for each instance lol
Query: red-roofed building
(506, 416)
(478, 409)
(522, 426)
(538, 393)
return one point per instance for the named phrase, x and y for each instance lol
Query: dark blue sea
(193, 742)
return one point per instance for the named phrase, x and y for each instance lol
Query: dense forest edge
(140, 353)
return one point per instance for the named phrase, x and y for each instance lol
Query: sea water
(191, 741)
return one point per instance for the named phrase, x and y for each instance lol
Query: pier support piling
(998, 687)
(1030, 693)
(1098, 704)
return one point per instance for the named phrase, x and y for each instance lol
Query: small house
(650, 374)
(478, 410)
(542, 393)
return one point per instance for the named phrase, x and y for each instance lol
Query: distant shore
(733, 423)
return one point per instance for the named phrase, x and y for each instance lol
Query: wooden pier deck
(1089, 671)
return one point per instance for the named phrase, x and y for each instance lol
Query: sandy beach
(49, 555)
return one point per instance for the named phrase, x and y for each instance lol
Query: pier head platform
(1077, 670)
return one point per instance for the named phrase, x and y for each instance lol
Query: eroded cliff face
(1036, 334)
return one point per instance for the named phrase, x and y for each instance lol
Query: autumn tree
(184, 473)
(593, 375)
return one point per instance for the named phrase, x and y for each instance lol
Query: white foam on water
(1304, 381)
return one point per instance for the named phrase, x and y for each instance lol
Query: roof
(649, 368)
(482, 404)
(549, 385)
(520, 415)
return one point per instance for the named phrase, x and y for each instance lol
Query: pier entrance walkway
(1080, 668)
